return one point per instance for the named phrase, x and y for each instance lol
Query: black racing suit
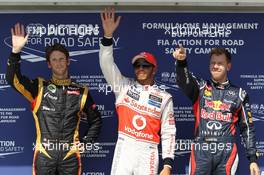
(218, 109)
(57, 107)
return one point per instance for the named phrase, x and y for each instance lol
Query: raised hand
(109, 22)
(254, 169)
(165, 171)
(18, 38)
(180, 53)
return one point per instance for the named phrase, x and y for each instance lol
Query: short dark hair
(220, 51)
(56, 47)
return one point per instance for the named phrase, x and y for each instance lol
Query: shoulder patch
(242, 94)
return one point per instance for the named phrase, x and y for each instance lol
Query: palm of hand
(109, 26)
(18, 41)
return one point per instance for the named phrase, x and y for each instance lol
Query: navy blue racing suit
(218, 109)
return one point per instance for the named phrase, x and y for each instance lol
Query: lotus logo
(139, 122)
(52, 88)
(214, 125)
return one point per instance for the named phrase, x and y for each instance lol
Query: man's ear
(68, 61)
(49, 66)
(154, 71)
(229, 65)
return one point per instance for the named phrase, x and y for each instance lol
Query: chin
(141, 77)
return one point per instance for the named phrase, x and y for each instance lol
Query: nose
(140, 67)
(214, 65)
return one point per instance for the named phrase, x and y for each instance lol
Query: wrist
(168, 162)
(15, 50)
(108, 36)
(167, 167)
(253, 159)
(107, 41)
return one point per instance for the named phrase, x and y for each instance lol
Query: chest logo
(139, 122)
(52, 88)
(214, 125)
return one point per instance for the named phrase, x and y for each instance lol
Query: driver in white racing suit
(145, 112)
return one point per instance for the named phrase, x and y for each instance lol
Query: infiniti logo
(214, 125)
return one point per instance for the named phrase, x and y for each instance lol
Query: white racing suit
(145, 115)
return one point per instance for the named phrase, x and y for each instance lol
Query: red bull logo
(216, 115)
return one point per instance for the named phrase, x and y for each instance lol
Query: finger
(118, 20)
(251, 171)
(102, 17)
(174, 53)
(22, 30)
(19, 29)
(12, 31)
(26, 38)
(16, 29)
(181, 48)
(107, 13)
(112, 13)
(180, 45)
(257, 171)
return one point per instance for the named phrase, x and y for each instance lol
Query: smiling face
(144, 72)
(58, 63)
(219, 66)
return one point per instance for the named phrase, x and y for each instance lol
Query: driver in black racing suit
(57, 107)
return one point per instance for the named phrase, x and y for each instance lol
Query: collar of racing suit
(218, 85)
(145, 87)
(64, 82)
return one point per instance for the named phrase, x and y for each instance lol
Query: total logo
(139, 122)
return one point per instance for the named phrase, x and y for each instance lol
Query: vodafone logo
(139, 122)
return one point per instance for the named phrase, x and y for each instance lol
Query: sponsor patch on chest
(155, 100)
(133, 95)
(69, 92)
